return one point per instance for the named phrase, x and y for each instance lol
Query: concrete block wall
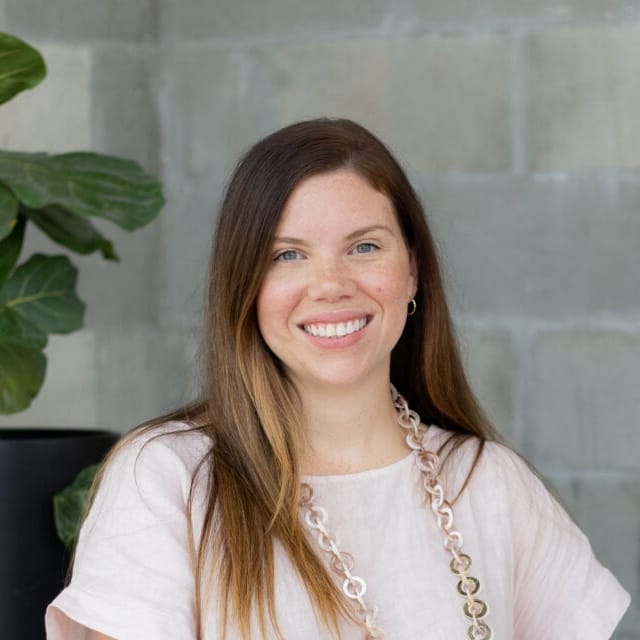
(518, 122)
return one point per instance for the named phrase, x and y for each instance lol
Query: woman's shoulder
(475, 463)
(179, 439)
(158, 457)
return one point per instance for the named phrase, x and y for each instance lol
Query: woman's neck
(349, 430)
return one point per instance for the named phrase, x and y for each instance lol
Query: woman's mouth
(335, 329)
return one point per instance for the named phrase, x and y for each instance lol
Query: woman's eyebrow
(354, 234)
(290, 240)
(369, 229)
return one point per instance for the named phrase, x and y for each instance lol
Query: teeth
(339, 329)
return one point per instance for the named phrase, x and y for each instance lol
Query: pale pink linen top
(132, 577)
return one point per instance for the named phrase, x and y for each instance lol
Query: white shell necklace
(342, 563)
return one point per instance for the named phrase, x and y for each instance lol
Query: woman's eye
(365, 247)
(287, 255)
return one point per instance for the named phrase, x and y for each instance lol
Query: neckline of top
(367, 474)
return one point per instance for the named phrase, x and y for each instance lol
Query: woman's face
(333, 302)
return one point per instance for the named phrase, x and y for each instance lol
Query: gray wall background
(518, 120)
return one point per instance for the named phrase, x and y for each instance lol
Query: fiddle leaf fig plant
(58, 194)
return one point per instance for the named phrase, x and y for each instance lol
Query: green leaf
(69, 506)
(42, 291)
(10, 249)
(22, 363)
(8, 211)
(71, 231)
(86, 184)
(22, 371)
(17, 330)
(21, 67)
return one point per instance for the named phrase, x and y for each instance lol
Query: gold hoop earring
(412, 307)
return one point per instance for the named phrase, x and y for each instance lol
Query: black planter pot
(34, 465)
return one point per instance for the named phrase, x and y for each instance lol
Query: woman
(302, 498)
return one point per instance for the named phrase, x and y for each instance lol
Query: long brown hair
(249, 408)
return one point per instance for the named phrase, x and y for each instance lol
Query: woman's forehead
(343, 198)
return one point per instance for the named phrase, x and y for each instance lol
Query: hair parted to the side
(249, 408)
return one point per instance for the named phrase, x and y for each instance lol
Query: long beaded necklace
(342, 563)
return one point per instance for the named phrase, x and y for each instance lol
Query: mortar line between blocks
(399, 26)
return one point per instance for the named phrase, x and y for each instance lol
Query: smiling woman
(289, 501)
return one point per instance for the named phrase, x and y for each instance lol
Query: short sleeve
(132, 576)
(561, 590)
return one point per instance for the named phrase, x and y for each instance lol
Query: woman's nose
(331, 281)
